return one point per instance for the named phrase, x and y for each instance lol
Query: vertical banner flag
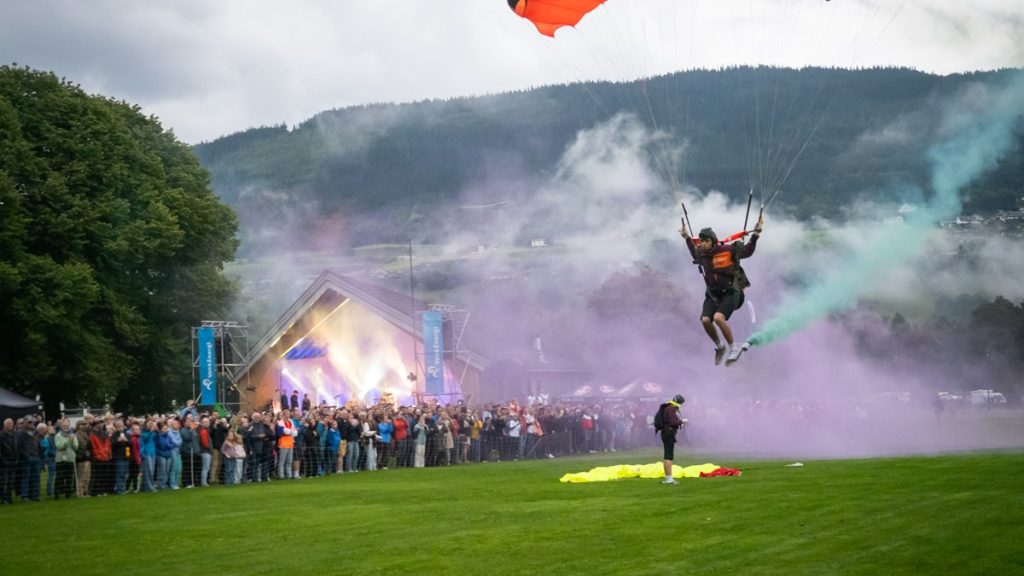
(433, 351)
(207, 367)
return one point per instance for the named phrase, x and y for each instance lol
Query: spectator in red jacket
(102, 469)
(205, 451)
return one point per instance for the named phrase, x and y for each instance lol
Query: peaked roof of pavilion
(479, 347)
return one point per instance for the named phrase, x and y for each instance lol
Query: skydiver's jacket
(721, 263)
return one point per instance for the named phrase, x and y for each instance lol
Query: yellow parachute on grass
(655, 470)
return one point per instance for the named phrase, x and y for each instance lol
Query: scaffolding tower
(231, 344)
(453, 327)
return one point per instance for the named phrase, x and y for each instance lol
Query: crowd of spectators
(116, 454)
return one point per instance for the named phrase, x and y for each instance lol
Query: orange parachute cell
(550, 15)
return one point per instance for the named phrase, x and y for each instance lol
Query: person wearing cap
(83, 459)
(27, 442)
(725, 280)
(671, 422)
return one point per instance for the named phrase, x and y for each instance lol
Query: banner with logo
(207, 367)
(433, 351)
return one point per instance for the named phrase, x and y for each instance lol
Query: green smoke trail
(977, 141)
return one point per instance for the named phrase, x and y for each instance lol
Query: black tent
(15, 406)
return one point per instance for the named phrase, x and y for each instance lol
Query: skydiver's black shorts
(725, 302)
(669, 441)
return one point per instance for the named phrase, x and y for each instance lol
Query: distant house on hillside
(964, 223)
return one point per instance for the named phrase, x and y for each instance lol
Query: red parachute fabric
(550, 15)
(722, 472)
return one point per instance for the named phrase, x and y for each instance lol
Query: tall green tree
(111, 247)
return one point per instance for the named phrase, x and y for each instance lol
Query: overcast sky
(208, 68)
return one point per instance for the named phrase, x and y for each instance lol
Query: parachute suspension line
(686, 81)
(674, 87)
(738, 91)
(785, 153)
(784, 144)
(762, 149)
(757, 128)
(662, 144)
(784, 157)
(585, 85)
(785, 49)
(779, 181)
(617, 40)
(628, 61)
(665, 160)
(769, 148)
(777, 187)
(600, 60)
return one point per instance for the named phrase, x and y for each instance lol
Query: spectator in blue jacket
(147, 449)
(174, 434)
(384, 429)
(332, 444)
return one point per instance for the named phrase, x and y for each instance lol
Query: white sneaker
(669, 481)
(735, 353)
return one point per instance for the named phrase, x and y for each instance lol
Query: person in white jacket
(370, 437)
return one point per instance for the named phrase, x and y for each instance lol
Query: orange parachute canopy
(550, 15)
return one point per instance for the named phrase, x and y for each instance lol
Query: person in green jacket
(66, 443)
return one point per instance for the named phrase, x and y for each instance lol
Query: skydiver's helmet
(678, 399)
(709, 234)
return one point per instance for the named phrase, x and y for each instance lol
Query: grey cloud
(210, 68)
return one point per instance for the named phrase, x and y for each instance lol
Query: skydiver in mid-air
(725, 279)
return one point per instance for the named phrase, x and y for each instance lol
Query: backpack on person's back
(659, 418)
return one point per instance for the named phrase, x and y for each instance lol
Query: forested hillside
(823, 137)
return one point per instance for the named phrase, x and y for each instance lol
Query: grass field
(961, 514)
